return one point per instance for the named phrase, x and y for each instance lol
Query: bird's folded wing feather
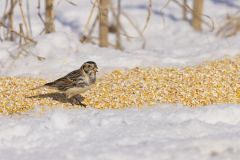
(73, 76)
(72, 79)
(66, 83)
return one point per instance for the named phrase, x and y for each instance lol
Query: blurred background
(153, 32)
(112, 23)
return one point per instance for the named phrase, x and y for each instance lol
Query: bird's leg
(74, 94)
(77, 100)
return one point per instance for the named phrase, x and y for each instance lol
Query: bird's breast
(76, 91)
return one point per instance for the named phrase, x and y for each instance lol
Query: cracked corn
(209, 83)
(17, 96)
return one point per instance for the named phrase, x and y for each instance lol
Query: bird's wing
(61, 83)
(73, 76)
(78, 79)
(81, 82)
(73, 79)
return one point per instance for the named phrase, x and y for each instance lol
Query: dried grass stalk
(6, 14)
(29, 17)
(24, 18)
(231, 26)
(19, 34)
(88, 38)
(186, 7)
(184, 10)
(103, 25)
(11, 20)
(197, 14)
(86, 26)
(49, 24)
(118, 26)
(148, 15)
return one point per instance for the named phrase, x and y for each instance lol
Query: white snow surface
(164, 131)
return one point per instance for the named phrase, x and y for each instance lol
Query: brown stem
(197, 14)
(19, 34)
(118, 37)
(49, 24)
(103, 25)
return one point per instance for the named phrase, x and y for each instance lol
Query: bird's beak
(95, 69)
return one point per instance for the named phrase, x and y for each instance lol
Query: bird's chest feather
(87, 80)
(76, 91)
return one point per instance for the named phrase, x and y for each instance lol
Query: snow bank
(166, 132)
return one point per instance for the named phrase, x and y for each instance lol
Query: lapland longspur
(77, 81)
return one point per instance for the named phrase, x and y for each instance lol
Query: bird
(77, 81)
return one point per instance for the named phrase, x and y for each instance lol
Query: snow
(164, 131)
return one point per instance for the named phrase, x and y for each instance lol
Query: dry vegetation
(23, 33)
(231, 26)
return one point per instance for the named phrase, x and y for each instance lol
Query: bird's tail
(38, 87)
(50, 84)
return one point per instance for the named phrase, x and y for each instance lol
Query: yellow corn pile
(212, 82)
(17, 96)
(209, 83)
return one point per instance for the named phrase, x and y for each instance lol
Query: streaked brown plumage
(76, 81)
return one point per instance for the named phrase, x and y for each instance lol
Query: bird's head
(90, 67)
